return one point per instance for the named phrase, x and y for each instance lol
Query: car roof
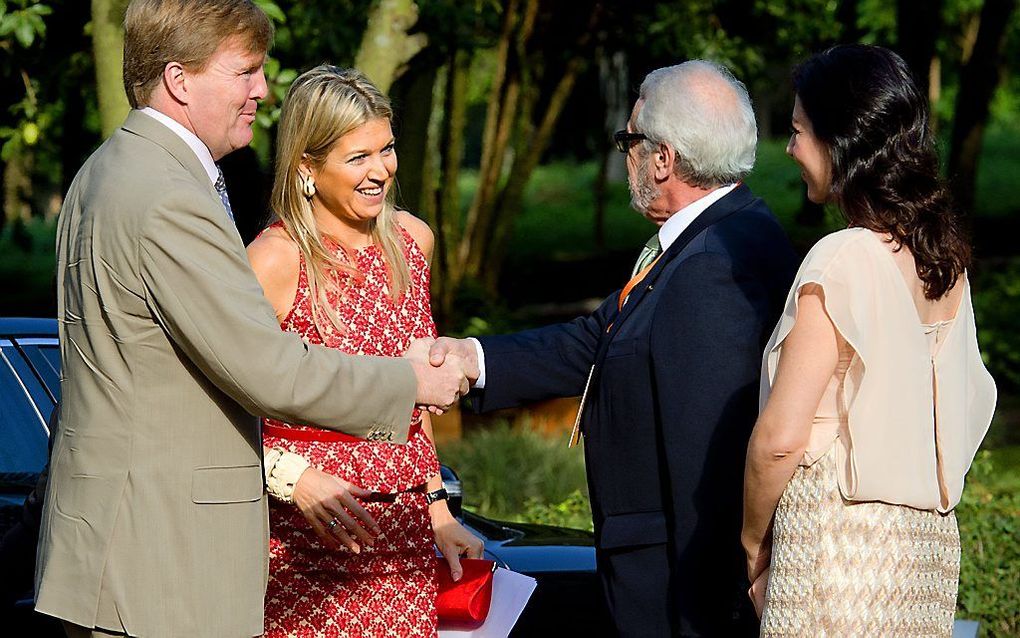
(27, 327)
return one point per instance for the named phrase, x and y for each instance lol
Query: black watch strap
(436, 495)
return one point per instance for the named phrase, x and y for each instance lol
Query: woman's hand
(330, 506)
(452, 539)
(757, 591)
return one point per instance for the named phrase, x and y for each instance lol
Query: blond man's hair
(157, 32)
(323, 105)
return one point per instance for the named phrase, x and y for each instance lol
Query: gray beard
(643, 190)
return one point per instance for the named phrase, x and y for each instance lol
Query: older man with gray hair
(667, 367)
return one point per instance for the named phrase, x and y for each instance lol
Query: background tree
(108, 48)
(386, 45)
(979, 77)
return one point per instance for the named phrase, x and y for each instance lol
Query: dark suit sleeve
(543, 363)
(706, 357)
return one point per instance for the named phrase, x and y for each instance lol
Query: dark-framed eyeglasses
(625, 139)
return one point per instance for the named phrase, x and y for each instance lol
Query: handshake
(445, 369)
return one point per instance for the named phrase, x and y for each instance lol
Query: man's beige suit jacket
(155, 519)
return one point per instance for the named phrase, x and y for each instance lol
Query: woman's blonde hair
(323, 105)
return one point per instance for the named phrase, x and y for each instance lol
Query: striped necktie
(221, 190)
(648, 254)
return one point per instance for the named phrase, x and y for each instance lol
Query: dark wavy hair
(864, 106)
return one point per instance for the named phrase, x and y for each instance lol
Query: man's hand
(330, 505)
(439, 387)
(463, 348)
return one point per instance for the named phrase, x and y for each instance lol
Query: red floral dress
(389, 589)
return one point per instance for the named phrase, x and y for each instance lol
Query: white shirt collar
(680, 220)
(192, 140)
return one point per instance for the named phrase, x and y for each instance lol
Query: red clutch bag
(464, 604)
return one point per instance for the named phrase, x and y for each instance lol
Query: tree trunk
(918, 24)
(108, 49)
(451, 144)
(386, 46)
(526, 160)
(18, 185)
(846, 14)
(413, 102)
(501, 116)
(978, 81)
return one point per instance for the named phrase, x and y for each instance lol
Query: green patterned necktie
(648, 254)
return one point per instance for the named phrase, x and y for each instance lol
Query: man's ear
(664, 159)
(174, 81)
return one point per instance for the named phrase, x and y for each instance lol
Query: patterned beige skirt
(858, 569)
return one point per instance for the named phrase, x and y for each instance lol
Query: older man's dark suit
(672, 402)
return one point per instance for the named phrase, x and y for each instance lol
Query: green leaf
(271, 9)
(24, 33)
(10, 147)
(37, 23)
(287, 76)
(7, 24)
(40, 10)
(272, 67)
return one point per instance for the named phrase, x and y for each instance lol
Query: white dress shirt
(192, 140)
(668, 233)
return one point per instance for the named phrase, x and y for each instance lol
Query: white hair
(705, 114)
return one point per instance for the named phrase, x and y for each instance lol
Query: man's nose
(261, 88)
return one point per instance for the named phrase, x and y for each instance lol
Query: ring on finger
(332, 524)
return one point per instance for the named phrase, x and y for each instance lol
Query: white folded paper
(510, 594)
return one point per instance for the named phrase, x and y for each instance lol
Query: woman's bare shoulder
(419, 231)
(275, 259)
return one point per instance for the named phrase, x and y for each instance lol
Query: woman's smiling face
(356, 175)
(811, 154)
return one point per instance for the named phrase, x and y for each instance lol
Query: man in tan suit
(155, 519)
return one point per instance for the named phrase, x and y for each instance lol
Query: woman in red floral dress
(345, 269)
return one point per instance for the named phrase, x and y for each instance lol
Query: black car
(568, 600)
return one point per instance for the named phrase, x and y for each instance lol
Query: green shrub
(996, 300)
(574, 511)
(517, 474)
(989, 519)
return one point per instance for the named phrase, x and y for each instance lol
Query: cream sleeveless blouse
(907, 394)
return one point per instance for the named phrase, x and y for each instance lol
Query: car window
(22, 429)
(44, 356)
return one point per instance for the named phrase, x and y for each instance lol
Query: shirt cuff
(480, 355)
(283, 469)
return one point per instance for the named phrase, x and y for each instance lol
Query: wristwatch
(436, 495)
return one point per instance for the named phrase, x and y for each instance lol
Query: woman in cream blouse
(874, 397)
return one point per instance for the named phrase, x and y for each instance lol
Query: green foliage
(996, 298)
(989, 519)
(26, 257)
(573, 511)
(514, 474)
(25, 23)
